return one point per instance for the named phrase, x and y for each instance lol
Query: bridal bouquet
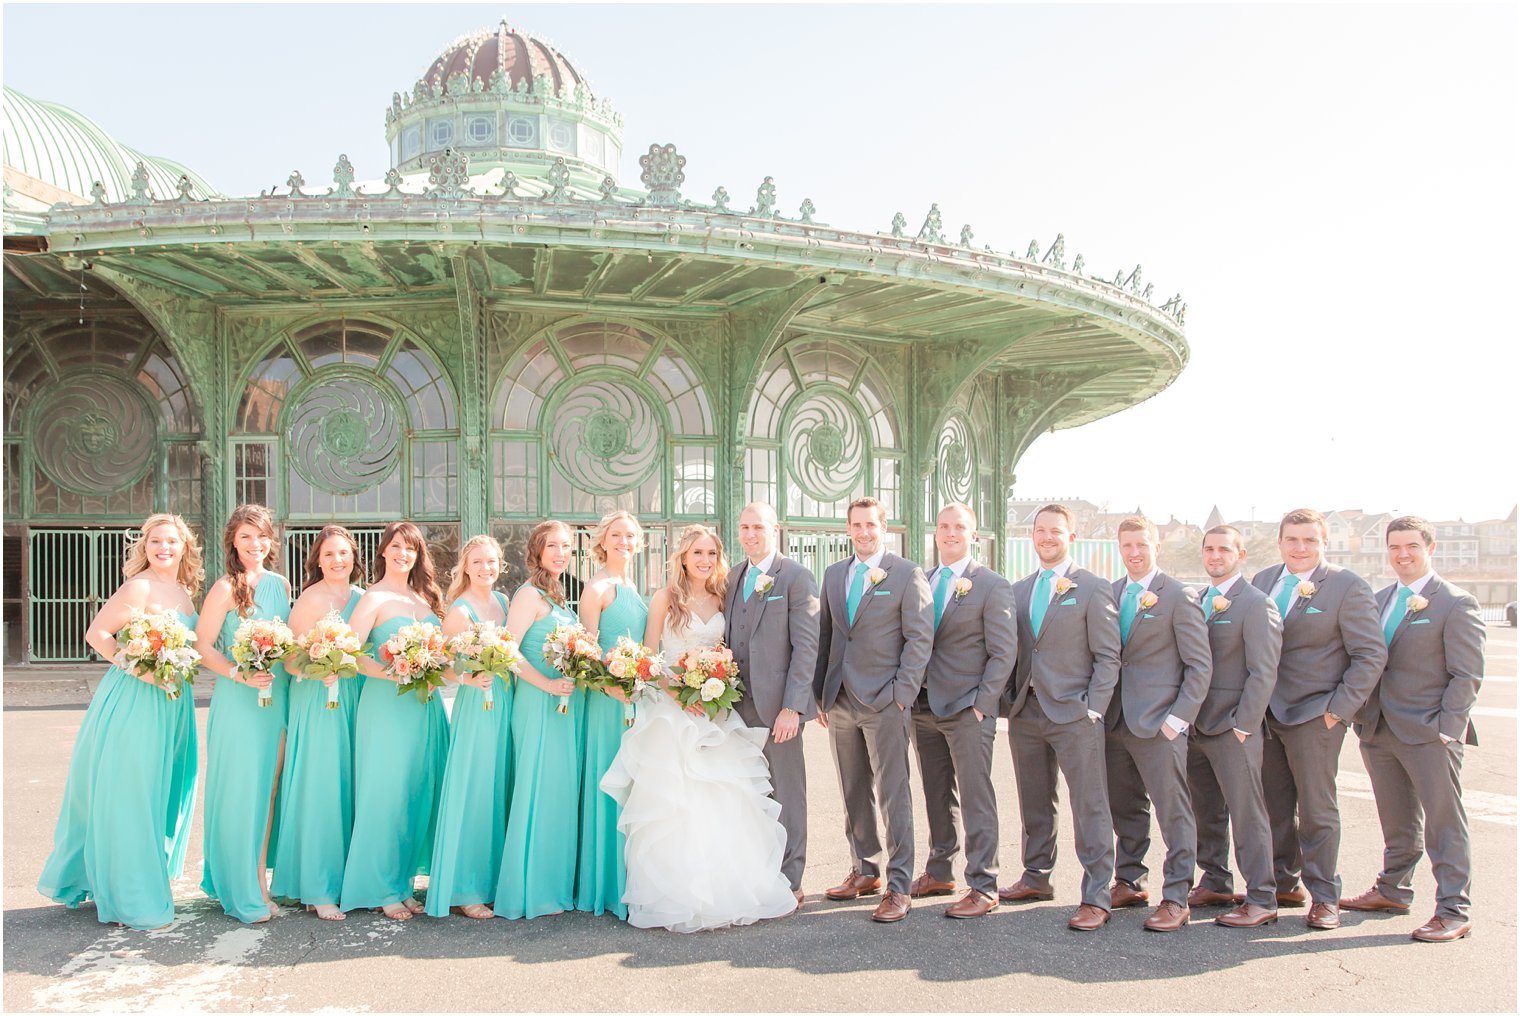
(330, 649)
(258, 646)
(631, 665)
(709, 677)
(416, 656)
(158, 644)
(572, 651)
(485, 647)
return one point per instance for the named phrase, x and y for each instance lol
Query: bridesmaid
(125, 819)
(245, 743)
(610, 606)
(538, 859)
(317, 803)
(472, 811)
(400, 744)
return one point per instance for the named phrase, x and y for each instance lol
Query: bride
(704, 843)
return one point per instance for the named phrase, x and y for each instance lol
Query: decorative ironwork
(448, 173)
(1078, 265)
(825, 447)
(607, 436)
(343, 176)
(509, 185)
(663, 173)
(559, 182)
(900, 226)
(609, 190)
(932, 229)
(295, 182)
(765, 199)
(94, 433)
(344, 433)
(1055, 257)
(98, 192)
(393, 181)
(720, 200)
(966, 235)
(1033, 253)
(957, 462)
(185, 187)
(142, 192)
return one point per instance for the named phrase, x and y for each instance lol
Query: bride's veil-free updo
(680, 586)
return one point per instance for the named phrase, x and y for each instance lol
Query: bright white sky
(1331, 188)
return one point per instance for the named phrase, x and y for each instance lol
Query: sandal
(479, 911)
(396, 912)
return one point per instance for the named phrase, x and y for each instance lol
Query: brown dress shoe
(1442, 929)
(927, 885)
(1373, 900)
(1125, 895)
(1324, 917)
(1168, 916)
(801, 899)
(1201, 897)
(892, 908)
(855, 884)
(974, 904)
(1247, 915)
(1021, 892)
(1088, 918)
(1295, 897)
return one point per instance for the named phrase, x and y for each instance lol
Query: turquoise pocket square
(1423, 620)
(773, 599)
(882, 592)
(1151, 616)
(1313, 610)
(1223, 622)
(1069, 603)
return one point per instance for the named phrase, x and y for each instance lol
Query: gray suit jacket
(1435, 665)
(1073, 664)
(883, 654)
(774, 638)
(1165, 666)
(1332, 652)
(1246, 643)
(974, 646)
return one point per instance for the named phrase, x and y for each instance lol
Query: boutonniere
(1148, 600)
(1307, 589)
(1417, 603)
(763, 584)
(875, 575)
(962, 587)
(1219, 605)
(1064, 585)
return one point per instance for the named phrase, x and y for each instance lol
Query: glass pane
(268, 386)
(421, 382)
(384, 498)
(161, 376)
(25, 372)
(760, 475)
(251, 472)
(435, 476)
(12, 480)
(518, 400)
(185, 479)
(354, 342)
(695, 482)
(515, 476)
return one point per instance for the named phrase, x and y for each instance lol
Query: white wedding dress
(703, 840)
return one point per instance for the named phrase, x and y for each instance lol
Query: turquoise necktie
(1400, 608)
(750, 574)
(1286, 595)
(857, 585)
(940, 589)
(1041, 601)
(1127, 608)
(1208, 602)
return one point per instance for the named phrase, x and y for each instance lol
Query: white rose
(617, 668)
(712, 688)
(137, 647)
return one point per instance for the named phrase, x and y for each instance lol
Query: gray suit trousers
(871, 753)
(1224, 777)
(1146, 772)
(1298, 768)
(955, 761)
(788, 789)
(1421, 785)
(1040, 747)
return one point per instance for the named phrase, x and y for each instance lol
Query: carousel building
(504, 330)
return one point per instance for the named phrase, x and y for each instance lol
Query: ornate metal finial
(1182, 314)
(509, 185)
(98, 192)
(930, 230)
(1134, 280)
(559, 182)
(393, 181)
(765, 199)
(1079, 264)
(343, 176)
(185, 187)
(966, 235)
(1056, 256)
(448, 172)
(1149, 289)
(1033, 253)
(720, 200)
(663, 175)
(1171, 305)
(807, 211)
(609, 190)
(142, 193)
(1119, 278)
(899, 225)
(295, 182)
(542, 86)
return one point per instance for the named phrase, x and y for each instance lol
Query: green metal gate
(70, 573)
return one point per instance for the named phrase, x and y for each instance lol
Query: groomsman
(1332, 655)
(1412, 732)
(1164, 669)
(955, 717)
(1224, 751)
(876, 626)
(772, 604)
(1068, 664)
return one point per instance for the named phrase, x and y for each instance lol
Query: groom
(771, 612)
(876, 629)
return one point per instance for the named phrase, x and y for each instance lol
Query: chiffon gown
(600, 875)
(317, 791)
(125, 820)
(538, 857)
(242, 767)
(472, 810)
(704, 837)
(400, 747)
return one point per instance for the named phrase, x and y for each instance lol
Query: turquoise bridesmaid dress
(125, 820)
(472, 810)
(538, 857)
(400, 748)
(242, 768)
(600, 873)
(317, 792)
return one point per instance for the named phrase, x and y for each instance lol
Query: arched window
(965, 469)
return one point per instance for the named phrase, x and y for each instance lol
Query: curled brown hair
(552, 586)
(259, 517)
(680, 583)
(314, 557)
(422, 579)
(191, 572)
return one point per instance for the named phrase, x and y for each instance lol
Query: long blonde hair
(553, 586)
(192, 573)
(680, 583)
(599, 533)
(459, 581)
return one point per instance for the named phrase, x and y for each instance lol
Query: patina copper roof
(517, 55)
